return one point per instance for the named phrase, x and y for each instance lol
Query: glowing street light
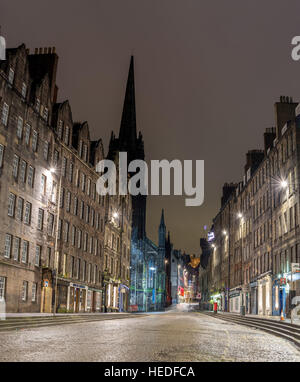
(115, 215)
(240, 215)
(283, 184)
(225, 232)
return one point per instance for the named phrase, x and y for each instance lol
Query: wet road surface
(166, 337)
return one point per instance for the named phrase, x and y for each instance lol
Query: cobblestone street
(174, 336)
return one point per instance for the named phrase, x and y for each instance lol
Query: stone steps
(284, 330)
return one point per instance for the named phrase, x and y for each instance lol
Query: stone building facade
(54, 225)
(256, 232)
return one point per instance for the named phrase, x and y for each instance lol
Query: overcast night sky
(206, 74)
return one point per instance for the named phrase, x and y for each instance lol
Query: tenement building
(253, 262)
(60, 241)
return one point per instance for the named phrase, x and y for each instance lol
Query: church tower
(134, 146)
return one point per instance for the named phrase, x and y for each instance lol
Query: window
(24, 90)
(45, 114)
(64, 264)
(38, 250)
(25, 249)
(60, 129)
(48, 257)
(16, 250)
(87, 213)
(67, 134)
(62, 197)
(71, 166)
(11, 76)
(43, 184)
(23, 167)
(7, 248)
(34, 140)
(68, 201)
(15, 167)
(79, 239)
(82, 182)
(53, 192)
(59, 229)
(20, 127)
(1, 154)
(27, 216)
(33, 293)
(46, 150)
(27, 133)
(2, 288)
(24, 291)
(40, 219)
(81, 209)
(80, 149)
(85, 240)
(5, 111)
(78, 269)
(64, 166)
(89, 187)
(66, 231)
(72, 266)
(37, 105)
(75, 207)
(20, 204)
(73, 235)
(11, 204)
(30, 176)
(85, 152)
(55, 158)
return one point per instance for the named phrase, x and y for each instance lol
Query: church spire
(162, 219)
(127, 134)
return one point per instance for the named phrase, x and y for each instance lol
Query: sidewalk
(271, 318)
(61, 314)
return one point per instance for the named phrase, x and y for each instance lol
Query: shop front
(123, 298)
(235, 297)
(264, 295)
(94, 299)
(77, 298)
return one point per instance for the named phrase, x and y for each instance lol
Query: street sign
(46, 283)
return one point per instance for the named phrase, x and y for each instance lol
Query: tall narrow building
(147, 290)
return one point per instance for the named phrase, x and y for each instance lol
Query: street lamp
(283, 184)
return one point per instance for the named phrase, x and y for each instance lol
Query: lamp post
(56, 259)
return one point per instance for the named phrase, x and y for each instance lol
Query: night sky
(207, 74)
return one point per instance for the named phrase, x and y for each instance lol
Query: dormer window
(24, 90)
(67, 134)
(85, 152)
(60, 129)
(11, 76)
(80, 149)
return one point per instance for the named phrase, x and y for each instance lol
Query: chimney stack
(284, 112)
